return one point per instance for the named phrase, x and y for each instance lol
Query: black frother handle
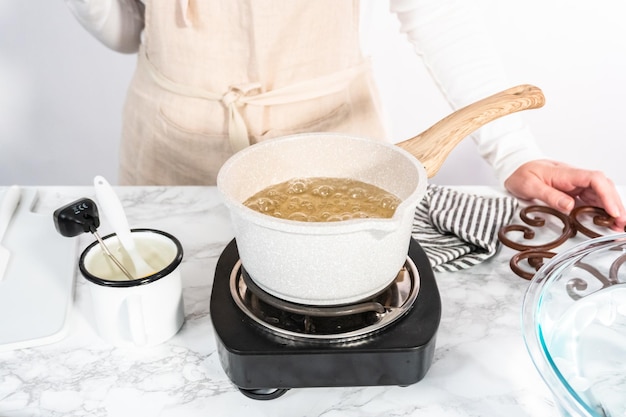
(80, 216)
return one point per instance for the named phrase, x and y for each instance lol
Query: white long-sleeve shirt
(446, 34)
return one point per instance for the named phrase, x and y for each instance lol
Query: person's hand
(560, 186)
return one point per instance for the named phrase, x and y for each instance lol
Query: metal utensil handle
(111, 256)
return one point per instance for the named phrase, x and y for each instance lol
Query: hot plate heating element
(267, 345)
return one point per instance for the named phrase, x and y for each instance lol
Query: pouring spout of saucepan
(433, 146)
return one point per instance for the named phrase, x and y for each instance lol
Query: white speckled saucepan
(332, 263)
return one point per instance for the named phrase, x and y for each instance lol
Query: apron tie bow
(233, 99)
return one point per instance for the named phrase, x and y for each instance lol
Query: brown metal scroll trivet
(534, 254)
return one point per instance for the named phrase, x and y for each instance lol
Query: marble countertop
(481, 366)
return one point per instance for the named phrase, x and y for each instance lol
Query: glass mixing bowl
(574, 324)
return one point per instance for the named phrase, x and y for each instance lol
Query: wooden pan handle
(433, 145)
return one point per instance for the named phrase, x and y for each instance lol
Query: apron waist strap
(240, 95)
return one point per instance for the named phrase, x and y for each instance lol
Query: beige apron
(214, 76)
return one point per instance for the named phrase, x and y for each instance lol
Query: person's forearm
(459, 55)
(115, 23)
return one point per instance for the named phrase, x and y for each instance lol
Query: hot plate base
(257, 361)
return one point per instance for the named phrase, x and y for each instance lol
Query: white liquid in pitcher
(323, 199)
(588, 346)
(156, 250)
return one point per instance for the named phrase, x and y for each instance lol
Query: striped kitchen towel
(459, 230)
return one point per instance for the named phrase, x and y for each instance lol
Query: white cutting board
(37, 291)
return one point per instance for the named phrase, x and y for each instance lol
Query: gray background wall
(61, 92)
